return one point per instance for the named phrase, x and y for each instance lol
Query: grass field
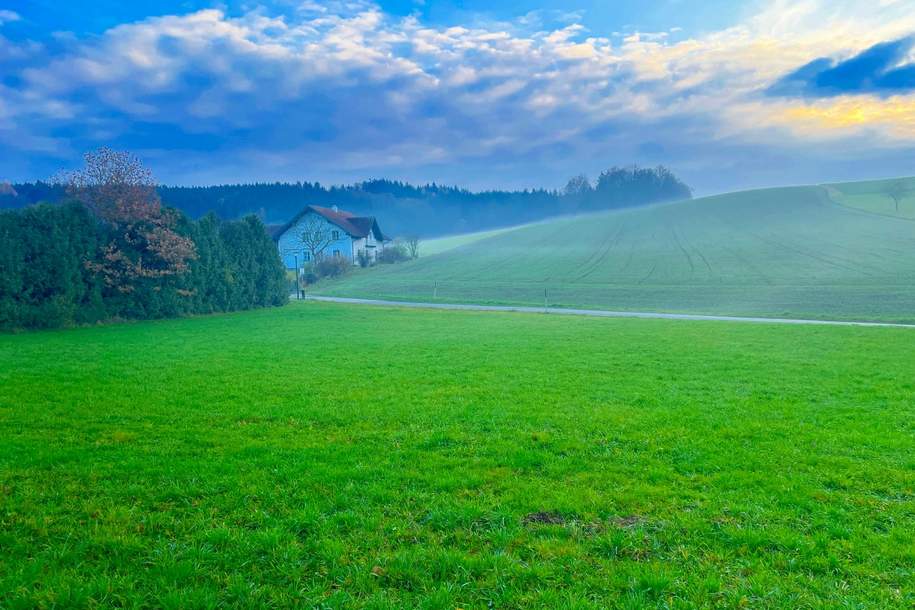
(334, 456)
(872, 197)
(790, 252)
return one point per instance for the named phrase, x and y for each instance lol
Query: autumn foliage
(114, 251)
(122, 194)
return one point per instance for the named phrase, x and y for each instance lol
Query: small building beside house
(347, 235)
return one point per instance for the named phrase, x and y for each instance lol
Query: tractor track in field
(649, 274)
(703, 259)
(749, 264)
(600, 255)
(600, 313)
(629, 258)
(689, 259)
(802, 252)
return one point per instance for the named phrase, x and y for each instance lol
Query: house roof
(355, 226)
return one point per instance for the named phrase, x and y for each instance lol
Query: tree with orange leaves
(144, 245)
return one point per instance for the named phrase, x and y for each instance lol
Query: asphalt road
(598, 313)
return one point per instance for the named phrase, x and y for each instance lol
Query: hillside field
(803, 252)
(871, 196)
(437, 245)
(332, 456)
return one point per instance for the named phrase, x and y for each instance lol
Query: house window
(336, 254)
(306, 256)
(335, 235)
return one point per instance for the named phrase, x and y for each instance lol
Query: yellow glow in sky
(894, 116)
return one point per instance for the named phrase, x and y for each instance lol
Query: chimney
(335, 209)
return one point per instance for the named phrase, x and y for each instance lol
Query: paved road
(600, 313)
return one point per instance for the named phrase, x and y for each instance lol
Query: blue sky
(47, 16)
(483, 94)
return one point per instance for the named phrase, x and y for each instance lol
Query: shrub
(309, 275)
(332, 266)
(393, 254)
(44, 279)
(49, 270)
(363, 259)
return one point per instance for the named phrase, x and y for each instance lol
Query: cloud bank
(343, 92)
(882, 69)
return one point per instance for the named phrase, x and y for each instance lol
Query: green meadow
(333, 456)
(872, 196)
(803, 252)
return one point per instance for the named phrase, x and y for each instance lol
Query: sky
(728, 94)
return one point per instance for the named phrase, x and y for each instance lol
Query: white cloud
(347, 84)
(7, 16)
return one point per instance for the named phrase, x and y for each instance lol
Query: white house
(346, 235)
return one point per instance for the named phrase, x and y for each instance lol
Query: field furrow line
(689, 259)
(602, 254)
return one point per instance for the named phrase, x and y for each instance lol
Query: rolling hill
(815, 251)
(873, 196)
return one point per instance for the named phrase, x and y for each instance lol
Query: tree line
(402, 208)
(111, 250)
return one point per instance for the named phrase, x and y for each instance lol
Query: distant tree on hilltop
(625, 187)
(896, 190)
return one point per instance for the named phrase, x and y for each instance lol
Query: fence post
(435, 290)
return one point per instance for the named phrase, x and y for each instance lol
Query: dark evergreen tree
(44, 277)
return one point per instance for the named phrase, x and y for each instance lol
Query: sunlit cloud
(347, 89)
(895, 117)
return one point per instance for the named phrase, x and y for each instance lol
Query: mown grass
(334, 456)
(789, 252)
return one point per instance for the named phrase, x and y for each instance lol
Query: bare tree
(7, 189)
(412, 246)
(144, 244)
(896, 191)
(114, 185)
(316, 235)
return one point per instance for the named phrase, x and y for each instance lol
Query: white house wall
(290, 243)
(357, 244)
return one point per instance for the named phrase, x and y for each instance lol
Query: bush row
(49, 256)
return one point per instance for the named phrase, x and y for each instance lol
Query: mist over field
(836, 251)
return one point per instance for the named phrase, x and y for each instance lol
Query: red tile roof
(355, 226)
